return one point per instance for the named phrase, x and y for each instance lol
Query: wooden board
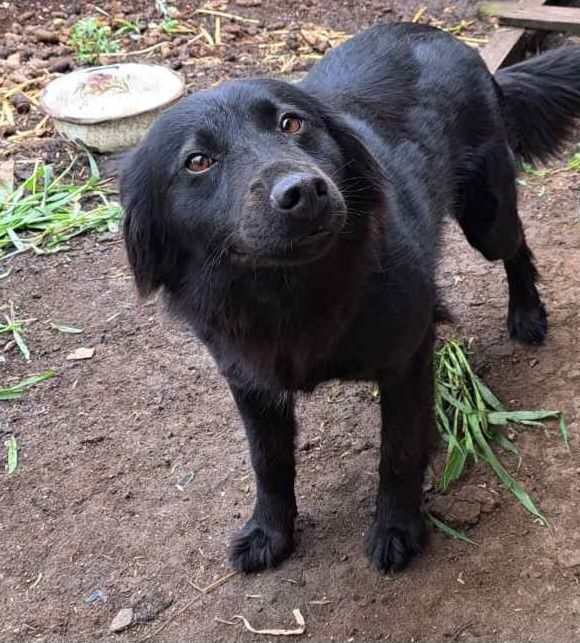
(506, 42)
(546, 18)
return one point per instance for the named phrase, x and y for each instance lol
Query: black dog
(296, 228)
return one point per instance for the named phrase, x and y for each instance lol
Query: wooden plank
(546, 18)
(506, 42)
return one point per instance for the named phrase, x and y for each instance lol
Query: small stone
(122, 621)
(81, 353)
(293, 41)
(13, 61)
(20, 102)
(49, 37)
(233, 29)
(149, 607)
(248, 3)
(463, 507)
(569, 558)
(11, 39)
(61, 65)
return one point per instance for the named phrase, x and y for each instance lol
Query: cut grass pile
(45, 211)
(471, 420)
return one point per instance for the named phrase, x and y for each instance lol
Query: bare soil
(95, 506)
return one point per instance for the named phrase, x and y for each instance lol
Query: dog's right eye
(198, 163)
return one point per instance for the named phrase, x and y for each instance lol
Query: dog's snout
(300, 194)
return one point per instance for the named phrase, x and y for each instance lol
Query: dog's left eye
(198, 163)
(290, 124)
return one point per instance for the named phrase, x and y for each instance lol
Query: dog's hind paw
(391, 548)
(529, 325)
(255, 547)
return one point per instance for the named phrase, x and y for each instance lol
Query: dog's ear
(143, 197)
(360, 162)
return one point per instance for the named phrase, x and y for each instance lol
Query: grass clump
(471, 420)
(45, 211)
(15, 328)
(91, 39)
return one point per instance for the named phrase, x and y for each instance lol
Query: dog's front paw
(529, 325)
(391, 548)
(256, 547)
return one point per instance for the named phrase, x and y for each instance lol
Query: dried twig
(139, 52)
(419, 14)
(230, 16)
(274, 632)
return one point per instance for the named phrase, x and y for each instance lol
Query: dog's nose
(301, 195)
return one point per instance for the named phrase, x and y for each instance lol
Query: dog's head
(255, 173)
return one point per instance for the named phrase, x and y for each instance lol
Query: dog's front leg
(267, 538)
(398, 532)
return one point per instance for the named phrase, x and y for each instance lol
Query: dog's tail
(541, 102)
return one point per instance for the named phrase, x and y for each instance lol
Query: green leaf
(15, 392)
(501, 417)
(95, 172)
(564, 431)
(449, 531)
(11, 455)
(62, 328)
(489, 398)
(21, 345)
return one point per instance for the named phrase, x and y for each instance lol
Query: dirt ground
(95, 507)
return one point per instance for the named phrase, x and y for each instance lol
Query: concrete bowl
(110, 108)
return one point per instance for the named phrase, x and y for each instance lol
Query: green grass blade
(449, 531)
(501, 417)
(506, 479)
(564, 430)
(489, 398)
(62, 328)
(15, 392)
(11, 455)
(21, 345)
(95, 172)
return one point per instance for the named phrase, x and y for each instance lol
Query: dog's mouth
(304, 250)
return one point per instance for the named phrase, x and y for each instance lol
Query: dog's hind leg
(487, 212)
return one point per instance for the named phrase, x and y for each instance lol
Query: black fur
(542, 98)
(306, 256)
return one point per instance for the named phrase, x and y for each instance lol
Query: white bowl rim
(91, 121)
